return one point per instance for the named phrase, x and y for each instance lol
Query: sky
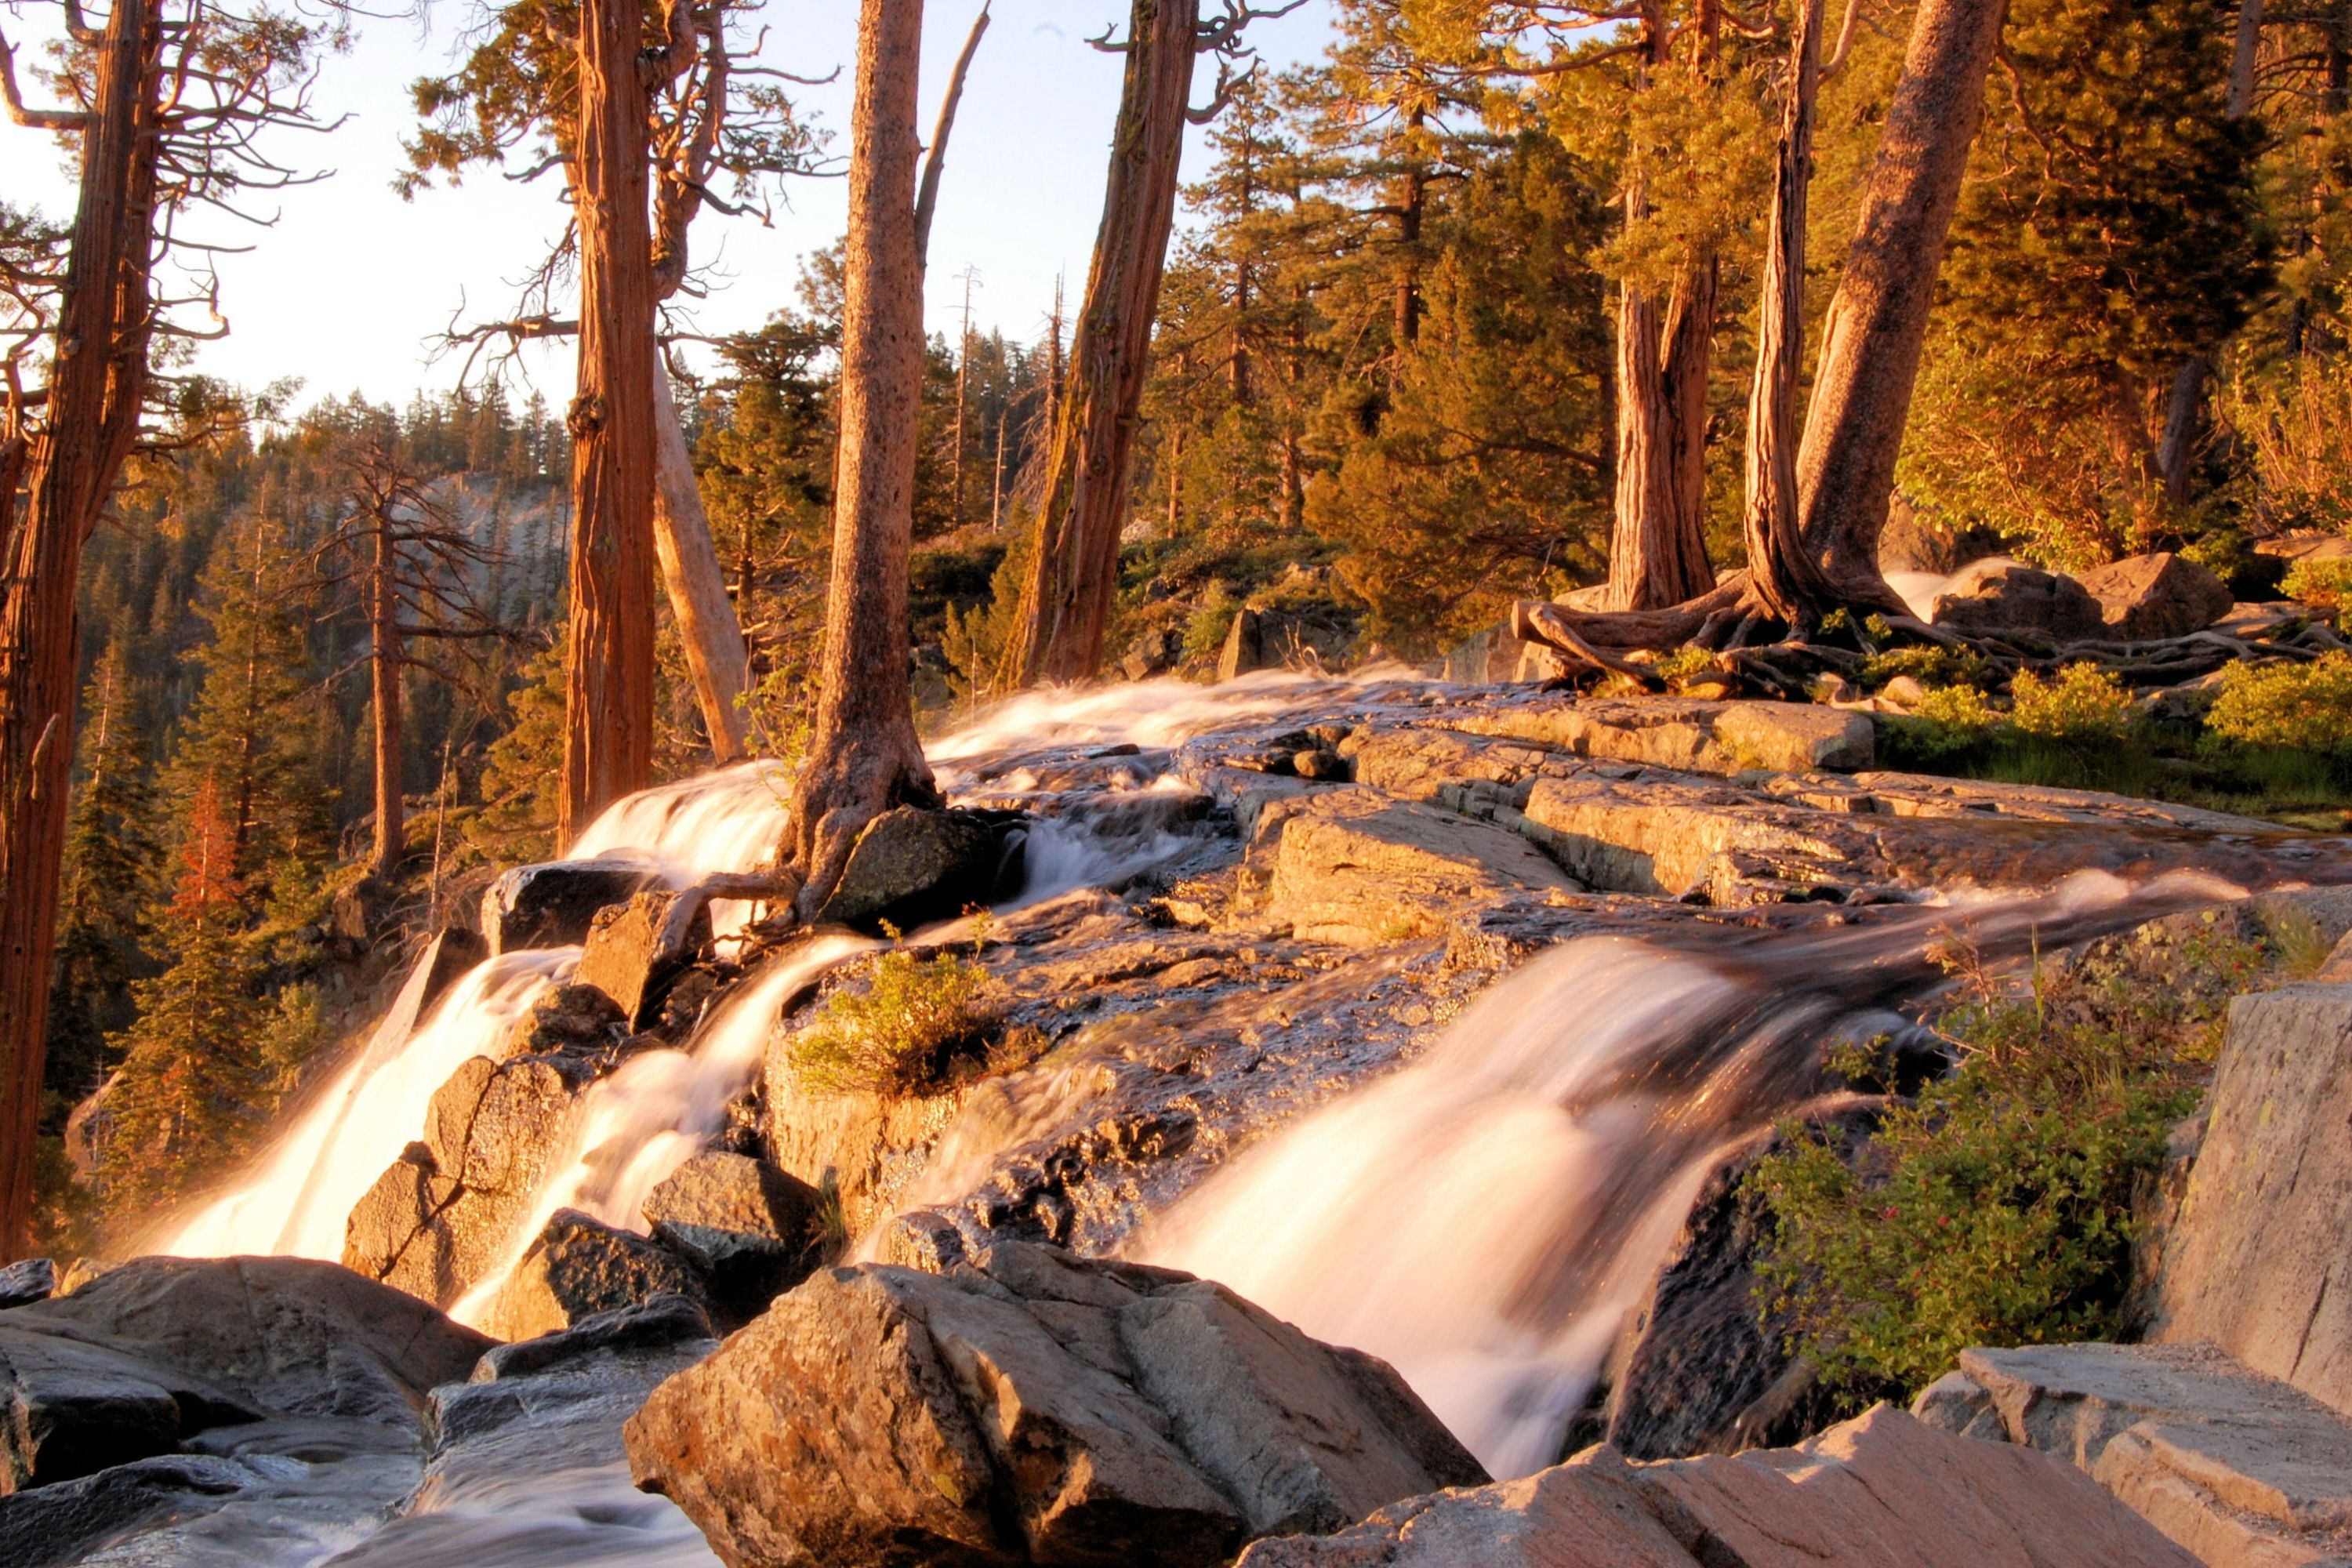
(347, 287)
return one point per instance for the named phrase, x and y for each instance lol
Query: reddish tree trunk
(864, 757)
(1074, 571)
(1877, 320)
(608, 692)
(71, 465)
(1657, 553)
(384, 676)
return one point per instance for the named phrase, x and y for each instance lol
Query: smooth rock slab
(1690, 734)
(1028, 1408)
(1352, 866)
(1879, 1492)
(553, 905)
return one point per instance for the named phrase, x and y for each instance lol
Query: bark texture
(384, 683)
(608, 696)
(1073, 570)
(1877, 320)
(707, 624)
(70, 465)
(864, 757)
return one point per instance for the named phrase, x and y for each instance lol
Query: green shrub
(2327, 585)
(1206, 633)
(904, 1034)
(2084, 705)
(1948, 721)
(2303, 708)
(1926, 663)
(1997, 1207)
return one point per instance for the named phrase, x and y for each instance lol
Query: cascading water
(1483, 1218)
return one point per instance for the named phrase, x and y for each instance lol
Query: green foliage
(1929, 664)
(903, 1034)
(522, 771)
(2304, 708)
(1996, 1208)
(2084, 705)
(1950, 719)
(2325, 583)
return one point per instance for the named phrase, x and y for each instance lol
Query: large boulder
(632, 956)
(1351, 865)
(147, 1355)
(28, 1281)
(750, 1227)
(553, 905)
(2242, 1469)
(2143, 597)
(2270, 1198)
(578, 1268)
(2008, 596)
(1028, 1408)
(1881, 1490)
(912, 866)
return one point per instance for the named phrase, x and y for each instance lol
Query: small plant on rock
(904, 1034)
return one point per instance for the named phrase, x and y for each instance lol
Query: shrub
(2082, 704)
(903, 1034)
(1997, 1207)
(2325, 584)
(2291, 706)
(1926, 663)
(1205, 632)
(1950, 720)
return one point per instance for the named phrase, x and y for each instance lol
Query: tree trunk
(864, 757)
(1653, 561)
(383, 677)
(608, 690)
(1074, 571)
(1412, 205)
(1877, 320)
(706, 623)
(1689, 342)
(1780, 572)
(70, 467)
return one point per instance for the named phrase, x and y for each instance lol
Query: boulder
(2270, 1198)
(26, 1281)
(1690, 734)
(143, 1357)
(1028, 1406)
(1882, 1489)
(571, 1019)
(2309, 546)
(555, 904)
(749, 1227)
(632, 956)
(2007, 595)
(912, 866)
(1352, 866)
(2143, 597)
(50, 1526)
(1278, 639)
(1155, 650)
(2242, 1469)
(360, 910)
(580, 1267)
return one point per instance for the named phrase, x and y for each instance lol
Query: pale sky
(343, 292)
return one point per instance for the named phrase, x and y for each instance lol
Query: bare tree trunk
(383, 680)
(69, 468)
(1412, 206)
(1689, 342)
(707, 624)
(1877, 320)
(608, 690)
(1780, 572)
(1073, 572)
(864, 757)
(1653, 561)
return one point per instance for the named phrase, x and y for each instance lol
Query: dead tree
(169, 102)
(1074, 563)
(864, 757)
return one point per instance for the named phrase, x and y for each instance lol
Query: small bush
(2084, 704)
(2324, 585)
(2302, 707)
(1205, 632)
(1997, 1207)
(903, 1034)
(1948, 721)
(1926, 663)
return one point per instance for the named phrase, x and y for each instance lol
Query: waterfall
(1485, 1217)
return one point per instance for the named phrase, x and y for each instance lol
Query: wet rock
(555, 904)
(1029, 1407)
(580, 1267)
(2270, 1198)
(571, 1019)
(2240, 1469)
(1880, 1490)
(53, 1525)
(25, 1282)
(1351, 865)
(749, 1227)
(912, 866)
(2143, 597)
(1688, 734)
(632, 958)
(2008, 596)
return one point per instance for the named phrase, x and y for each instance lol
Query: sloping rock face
(750, 1227)
(553, 905)
(2008, 596)
(171, 1388)
(1351, 865)
(579, 1268)
(627, 959)
(2143, 597)
(2270, 1198)
(1028, 1408)
(1882, 1489)
(2239, 1468)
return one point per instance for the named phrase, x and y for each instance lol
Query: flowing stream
(1482, 1218)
